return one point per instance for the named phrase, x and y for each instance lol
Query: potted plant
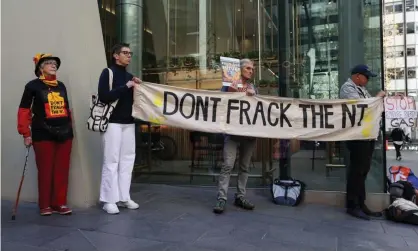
(263, 83)
(269, 55)
(274, 83)
(189, 61)
(253, 55)
(235, 54)
(175, 62)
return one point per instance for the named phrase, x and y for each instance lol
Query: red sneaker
(46, 211)
(63, 210)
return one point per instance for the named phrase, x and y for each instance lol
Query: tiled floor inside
(180, 218)
(313, 173)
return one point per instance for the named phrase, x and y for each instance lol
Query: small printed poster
(400, 111)
(231, 71)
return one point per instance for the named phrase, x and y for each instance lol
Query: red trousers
(53, 162)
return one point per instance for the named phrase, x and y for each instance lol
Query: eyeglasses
(127, 52)
(51, 62)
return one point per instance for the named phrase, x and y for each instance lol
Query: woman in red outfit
(44, 121)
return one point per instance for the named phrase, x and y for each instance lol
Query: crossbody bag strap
(110, 79)
(360, 92)
(111, 83)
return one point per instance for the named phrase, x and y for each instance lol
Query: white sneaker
(129, 204)
(111, 208)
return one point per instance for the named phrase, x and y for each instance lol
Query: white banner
(258, 116)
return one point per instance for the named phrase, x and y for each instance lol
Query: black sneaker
(243, 203)
(220, 206)
(369, 212)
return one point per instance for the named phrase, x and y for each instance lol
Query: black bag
(59, 133)
(402, 189)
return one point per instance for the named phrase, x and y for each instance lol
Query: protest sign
(258, 116)
(400, 111)
(231, 71)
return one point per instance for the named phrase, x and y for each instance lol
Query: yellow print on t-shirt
(55, 106)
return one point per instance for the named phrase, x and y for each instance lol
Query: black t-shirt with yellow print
(43, 106)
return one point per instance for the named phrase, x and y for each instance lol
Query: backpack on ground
(402, 211)
(288, 192)
(100, 112)
(402, 189)
(397, 173)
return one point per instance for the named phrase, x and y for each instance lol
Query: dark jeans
(398, 150)
(361, 153)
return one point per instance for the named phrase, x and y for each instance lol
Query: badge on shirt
(55, 106)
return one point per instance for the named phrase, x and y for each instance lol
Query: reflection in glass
(297, 48)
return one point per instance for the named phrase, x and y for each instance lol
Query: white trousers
(118, 162)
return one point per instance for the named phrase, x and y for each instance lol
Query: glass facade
(301, 49)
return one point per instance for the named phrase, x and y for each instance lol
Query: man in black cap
(361, 151)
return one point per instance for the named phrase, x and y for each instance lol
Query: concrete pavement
(180, 218)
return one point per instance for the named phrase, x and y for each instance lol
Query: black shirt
(50, 107)
(122, 114)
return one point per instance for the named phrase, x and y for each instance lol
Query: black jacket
(397, 134)
(123, 110)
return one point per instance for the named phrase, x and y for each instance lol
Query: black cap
(41, 57)
(364, 70)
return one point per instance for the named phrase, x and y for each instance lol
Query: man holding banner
(246, 146)
(361, 151)
(242, 117)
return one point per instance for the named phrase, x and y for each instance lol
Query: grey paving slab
(91, 240)
(373, 241)
(370, 248)
(186, 248)
(346, 226)
(400, 229)
(301, 238)
(225, 244)
(228, 232)
(180, 218)
(27, 212)
(412, 242)
(18, 246)
(72, 241)
(275, 246)
(134, 228)
(31, 234)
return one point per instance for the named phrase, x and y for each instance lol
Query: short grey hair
(245, 61)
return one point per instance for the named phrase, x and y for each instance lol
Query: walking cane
(21, 182)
